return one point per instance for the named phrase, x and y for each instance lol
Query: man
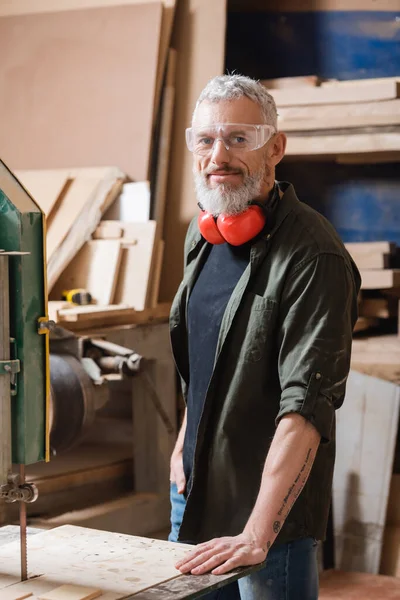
(261, 331)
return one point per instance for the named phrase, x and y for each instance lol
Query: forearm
(181, 435)
(285, 473)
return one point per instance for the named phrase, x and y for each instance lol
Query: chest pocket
(259, 314)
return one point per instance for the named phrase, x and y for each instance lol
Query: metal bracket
(9, 367)
(45, 325)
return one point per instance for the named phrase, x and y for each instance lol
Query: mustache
(224, 170)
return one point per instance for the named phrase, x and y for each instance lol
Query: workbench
(122, 566)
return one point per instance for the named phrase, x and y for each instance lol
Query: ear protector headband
(237, 229)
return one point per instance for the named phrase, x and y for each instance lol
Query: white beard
(225, 198)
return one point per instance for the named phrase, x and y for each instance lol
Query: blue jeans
(291, 571)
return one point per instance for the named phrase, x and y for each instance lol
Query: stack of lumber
(380, 288)
(106, 97)
(117, 258)
(345, 119)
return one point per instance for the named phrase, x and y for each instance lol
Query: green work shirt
(284, 347)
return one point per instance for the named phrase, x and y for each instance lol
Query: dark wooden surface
(189, 587)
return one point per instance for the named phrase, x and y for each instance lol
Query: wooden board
(156, 274)
(370, 255)
(162, 172)
(115, 563)
(81, 191)
(95, 269)
(10, 594)
(377, 356)
(108, 230)
(380, 279)
(71, 592)
(199, 38)
(44, 186)
(338, 94)
(73, 78)
(349, 143)
(334, 116)
(138, 259)
(367, 425)
(283, 83)
(132, 205)
(89, 318)
(108, 187)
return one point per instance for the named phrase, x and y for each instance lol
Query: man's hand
(177, 474)
(222, 555)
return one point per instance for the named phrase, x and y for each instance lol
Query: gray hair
(232, 87)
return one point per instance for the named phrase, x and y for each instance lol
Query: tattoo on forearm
(277, 526)
(295, 489)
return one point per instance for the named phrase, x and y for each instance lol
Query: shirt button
(317, 375)
(193, 244)
(268, 236)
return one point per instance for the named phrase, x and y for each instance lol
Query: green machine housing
(22, 230)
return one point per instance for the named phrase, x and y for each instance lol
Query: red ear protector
(236, 230)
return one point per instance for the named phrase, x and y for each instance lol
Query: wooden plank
(81, 191)
(340, 122)
(283, 83)
(378, 356)
(44, 186)
(94, 269)
(91, 211)
(71, 592)
(367, 425)
(156, 274)
(108, 230)
(333, 116)
(366, 248)
(371, 255)
(199, 38)
(380, 279)
(85, 318)
(167, 109)
(10, 594)
(134, 280)
(338, 94)
(85, 313)
(361, 143)
(334, 83)
(133, 204)
(60, 553)
(93, 52)
(311, 5)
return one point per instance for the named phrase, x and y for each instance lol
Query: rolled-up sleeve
(317, 315)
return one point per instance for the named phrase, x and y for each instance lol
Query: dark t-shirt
(210, 295)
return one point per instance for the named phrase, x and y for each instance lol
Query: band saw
(52, 382)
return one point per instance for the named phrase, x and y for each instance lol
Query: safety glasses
(236, 137)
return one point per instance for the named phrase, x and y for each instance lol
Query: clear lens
(236, 137)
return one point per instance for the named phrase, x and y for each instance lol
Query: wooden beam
(370, 255)
(380, 279)
(338, 94)
(350, 143)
